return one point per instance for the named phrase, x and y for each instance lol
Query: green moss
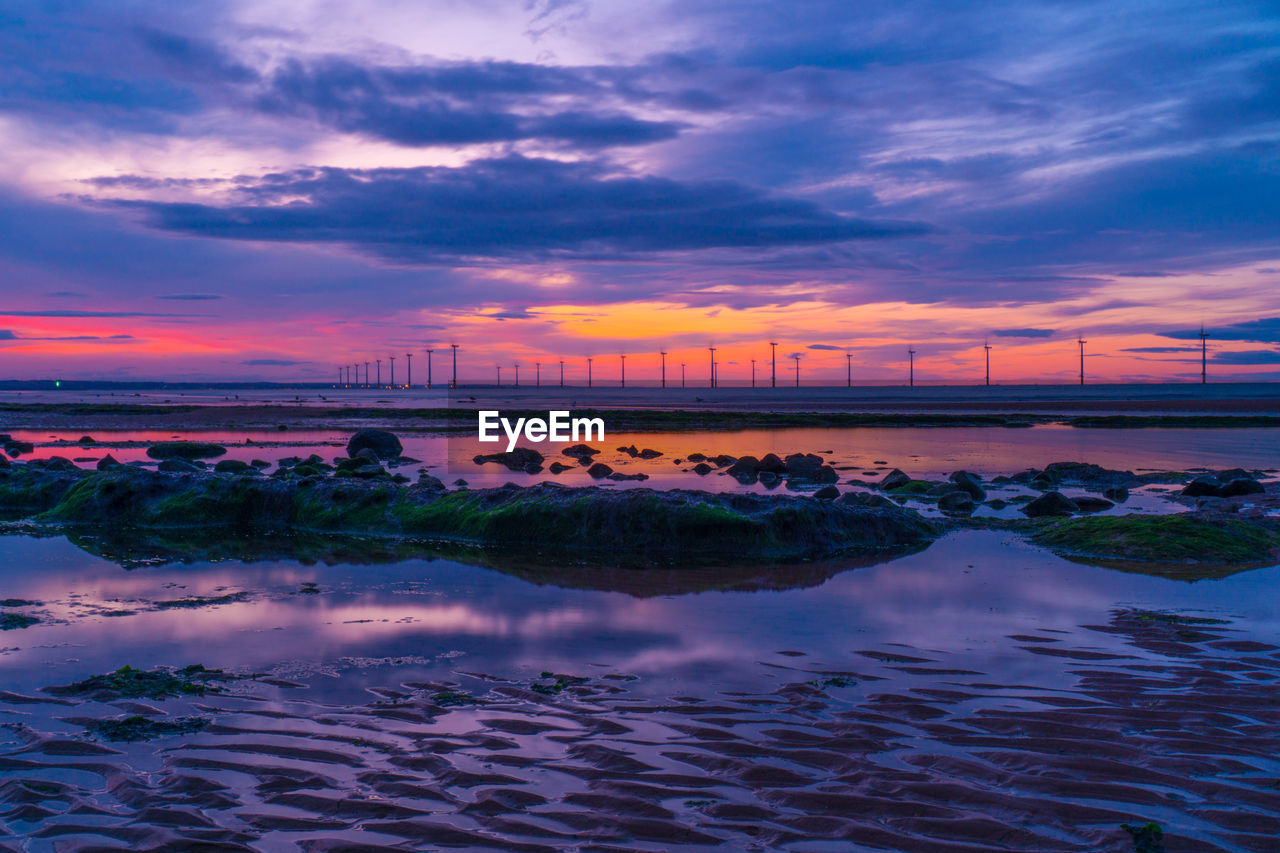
(452, 698)
(129, 683)
(137, 727)
(553, 684)
(1162, 539)
(915, 487)
(16, 621)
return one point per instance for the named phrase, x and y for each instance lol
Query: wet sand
(909, 752)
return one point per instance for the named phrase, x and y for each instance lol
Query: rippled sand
(1160, 718)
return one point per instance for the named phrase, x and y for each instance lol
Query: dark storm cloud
(1023, 333)
(1264, 330)
(1245, 357)
(511, 208)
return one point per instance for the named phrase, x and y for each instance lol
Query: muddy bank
(544, 517)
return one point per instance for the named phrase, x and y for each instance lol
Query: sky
(268, 190)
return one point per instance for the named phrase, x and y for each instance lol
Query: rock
(4, 461)
(943, 489)
(867, 499)
(521, 459)
(804, 465)
(260, 464)
(460, 482)
(1025, 477)
(559, 467)
(958, 501)
(1119, 494)
(827, 493)
(620, 476)
(769, 479)
(580, 451)
(772, 464)
(826, 474)
(895, 479)
(232, 466)
(1241, 486)
(1086, 474)
(188, 450)
(426, 481)
(368, 454)
(970, 483)
(702, 469)
(723, 460)
(1089, 503)
(290, 461)
(381, 442)
(650, 453)
(1051, 503)
(179, 466)
(996, 503)
(16, 448)
(55, 463)
(86, 440)
(697, 457)
(1202, 487)
(745, 469)
(1233, 474)
(599, 470)
(1043, 481)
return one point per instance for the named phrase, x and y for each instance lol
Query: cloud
(7, 335)
(93, 314)
(1161, 349)
(1264, 330)
(513, 207)
(190, 297)
(825, 347)
(273, 362)
(1023, 333)
(1243, 357)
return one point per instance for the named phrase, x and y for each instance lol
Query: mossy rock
(1168, 540)
(185, 450)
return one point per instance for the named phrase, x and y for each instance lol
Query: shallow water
(997, 697)
(865, 454)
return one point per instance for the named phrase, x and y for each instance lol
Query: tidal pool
(980, 694)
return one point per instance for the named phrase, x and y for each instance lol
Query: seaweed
(559, 683)
(137, 727)
(16, 621)
(159, 683)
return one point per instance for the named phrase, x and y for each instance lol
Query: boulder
(1043, 481)
(580, 451)
(772, 463)
(559, 467)
(723, 460)
(55, 463)
(4, 461)
(769, 479)
(15, 447)
(620, 476)
(86, 441)
(232, 466)
(997, 503)
(867, 499)
(970, 483)
(650, 453)
(943, 489)
(1118, 494)
(895, 479)
(697, 457)
(188, 450)
(368, 454)
(599, 470)
(803, 465)
(1241, 486)
(826, 474)
(1089, 503)
(744, 469)
(426, 481)
(1087, 474)
(827, 493)
(1202, 487)
(702, 469)
(958, 501)
(1051, 503)
(381, 442)
(521, 459)
(1233, 474)
(460, 483)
